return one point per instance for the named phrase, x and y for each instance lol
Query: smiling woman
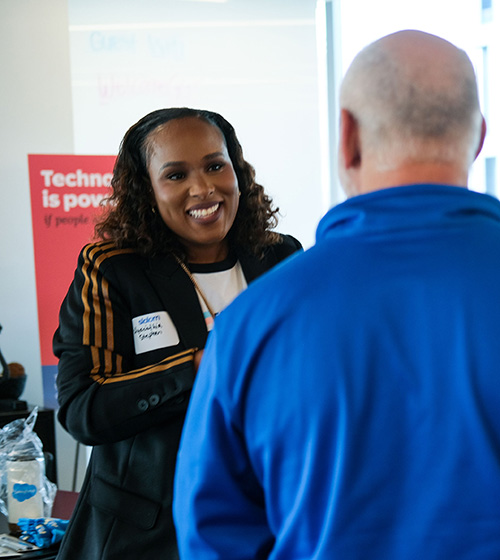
(195, 186)
(187, 230)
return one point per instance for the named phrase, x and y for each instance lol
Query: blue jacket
(348, 403)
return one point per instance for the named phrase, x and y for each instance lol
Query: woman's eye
(175, 176)
(215, 166)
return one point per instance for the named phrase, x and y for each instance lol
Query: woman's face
(195, 186)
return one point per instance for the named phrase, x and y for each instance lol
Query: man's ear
(349, 154)
(481, 140)
(349, 142)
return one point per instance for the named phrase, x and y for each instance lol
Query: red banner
(66, 192)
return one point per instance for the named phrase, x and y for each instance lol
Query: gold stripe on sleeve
(85, 301)
(96, 302)
(164, 366)
(95, 360)
(108, 311)
(89, 253)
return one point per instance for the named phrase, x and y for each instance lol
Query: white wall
(36, 117)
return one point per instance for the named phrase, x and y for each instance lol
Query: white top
(220, 282)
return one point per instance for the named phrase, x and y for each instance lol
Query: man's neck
(410, 174)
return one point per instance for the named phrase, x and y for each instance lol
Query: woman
(186, 229)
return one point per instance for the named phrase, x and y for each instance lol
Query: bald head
(414, 99)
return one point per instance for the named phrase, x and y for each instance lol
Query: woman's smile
(204, 213)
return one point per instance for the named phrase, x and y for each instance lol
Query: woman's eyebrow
(170, 164)
(205, 158)
(213, 155)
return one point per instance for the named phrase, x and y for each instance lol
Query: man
(348, 404)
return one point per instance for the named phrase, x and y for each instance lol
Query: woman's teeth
(204, 212)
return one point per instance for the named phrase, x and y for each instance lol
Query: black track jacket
(129, 406)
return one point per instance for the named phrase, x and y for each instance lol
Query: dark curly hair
(130, 221)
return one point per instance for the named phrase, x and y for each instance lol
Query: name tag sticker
(153, 331)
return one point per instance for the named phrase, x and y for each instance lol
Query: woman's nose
(201, 186)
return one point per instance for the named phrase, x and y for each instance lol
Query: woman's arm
(106, 392)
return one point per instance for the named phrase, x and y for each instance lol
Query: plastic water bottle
(25, 467)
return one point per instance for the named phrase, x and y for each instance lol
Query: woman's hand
(197, 359)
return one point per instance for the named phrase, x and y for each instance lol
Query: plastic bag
(22, 471)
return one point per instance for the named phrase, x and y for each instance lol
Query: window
(472, 27)
(486, 10)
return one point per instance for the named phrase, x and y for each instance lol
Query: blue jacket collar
(405, 207)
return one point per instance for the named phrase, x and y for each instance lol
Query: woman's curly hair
(130, 220)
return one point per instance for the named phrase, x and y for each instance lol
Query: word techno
(79, 180)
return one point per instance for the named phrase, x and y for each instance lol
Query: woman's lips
(203, 213)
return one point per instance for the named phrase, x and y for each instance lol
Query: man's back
(370, 420)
